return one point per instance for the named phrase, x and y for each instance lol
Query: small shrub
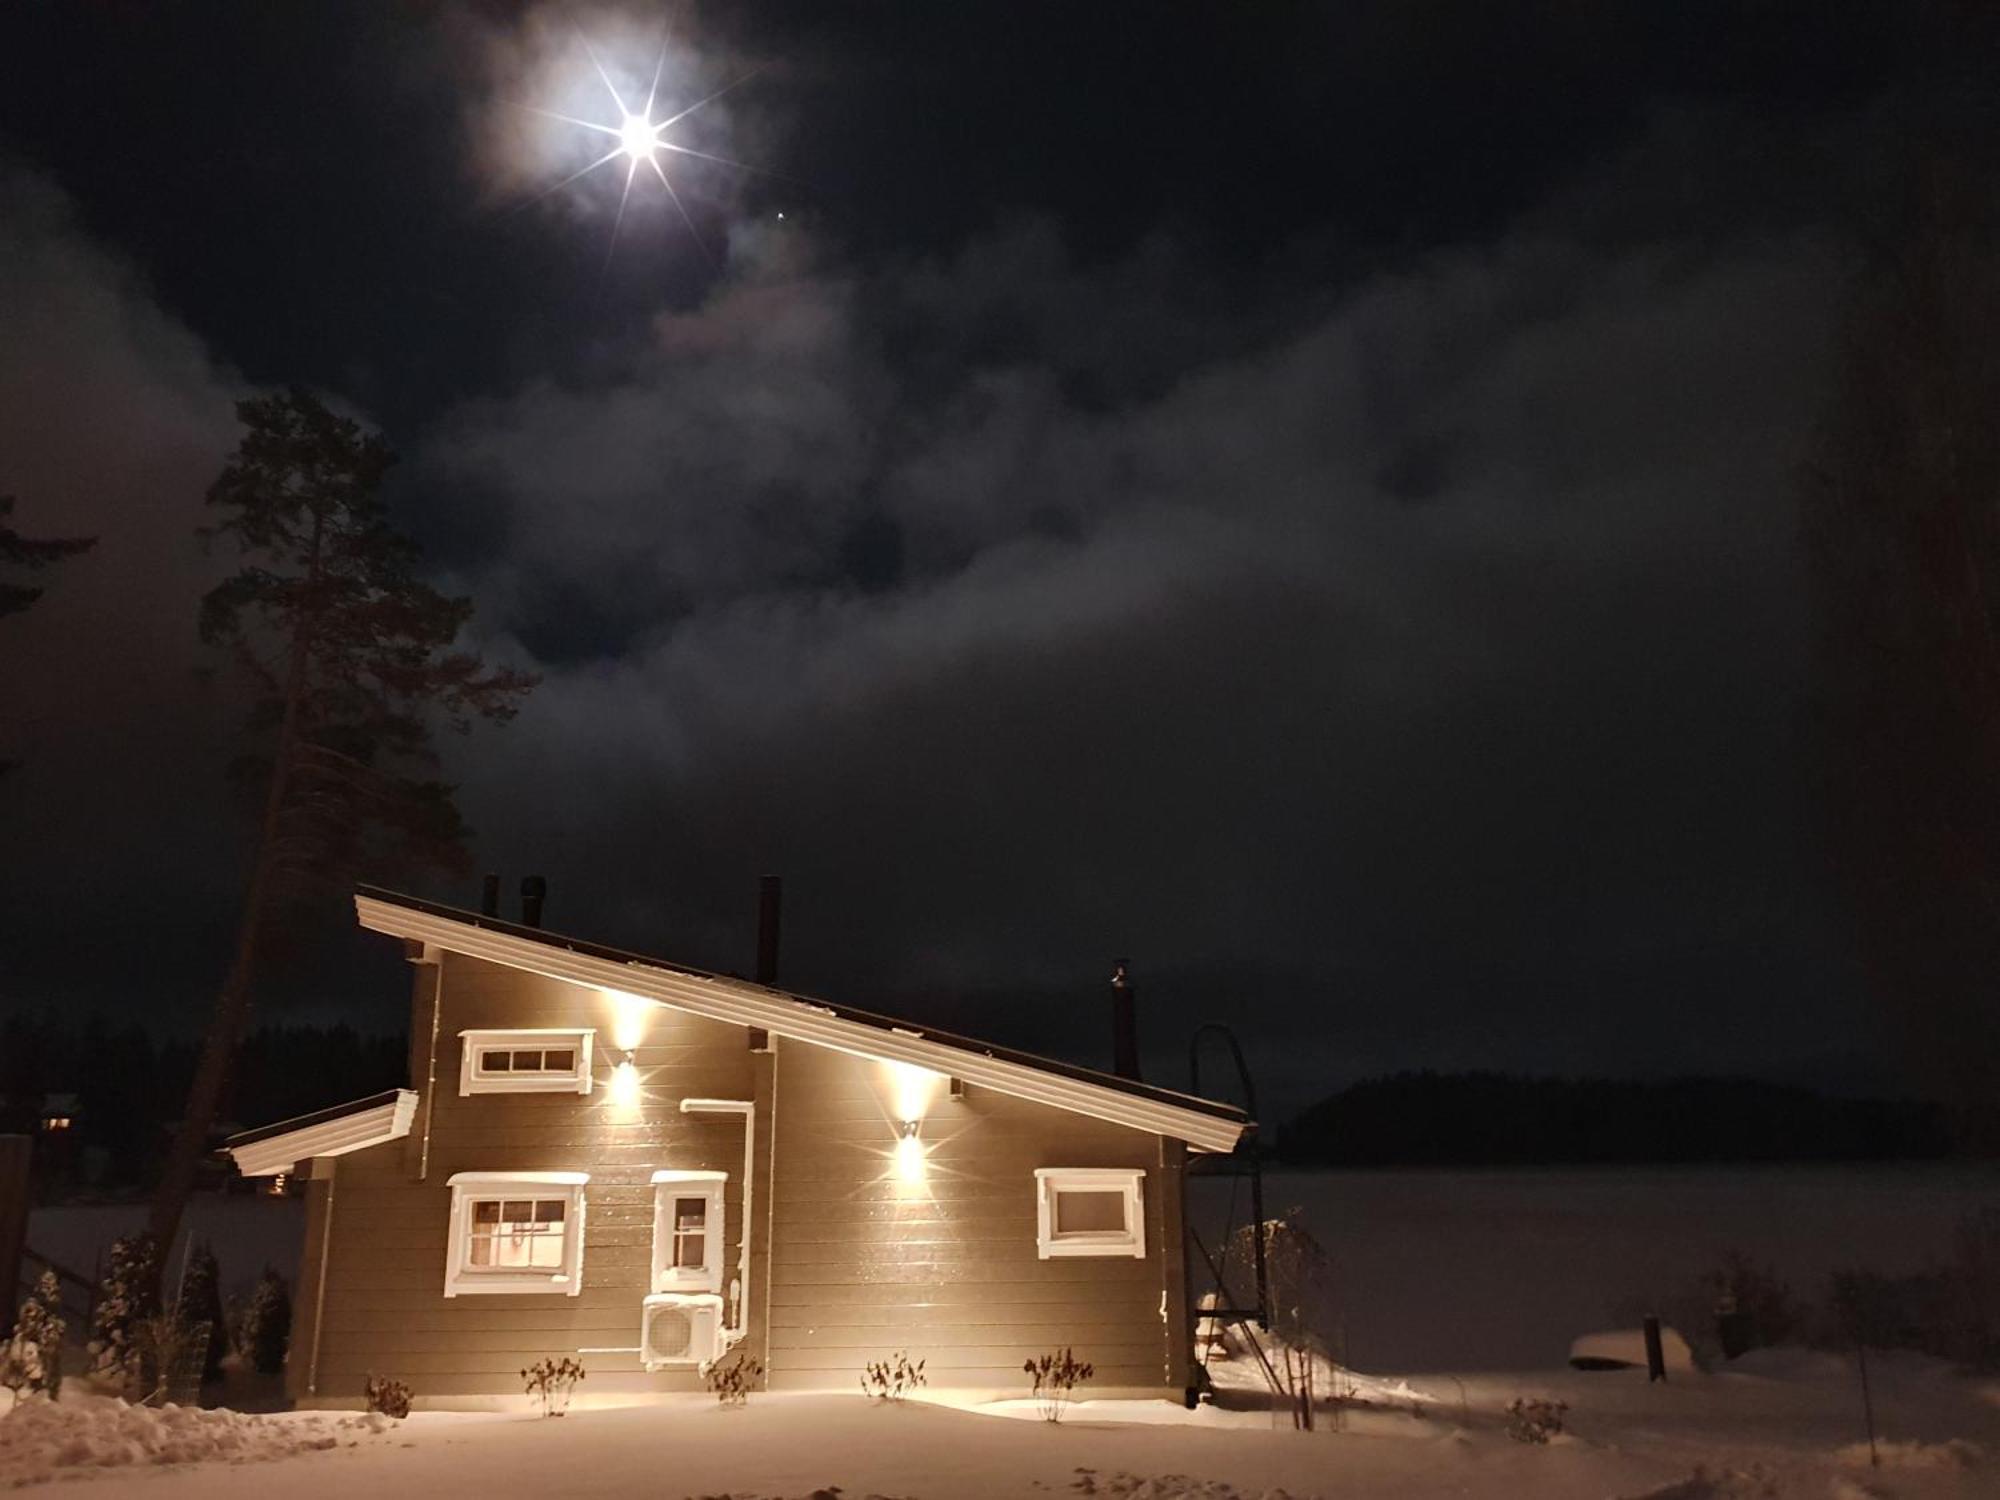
(893, 1378)
(200, 1301)
(1056, 1376)
(164, 1346)
(31, 1359)
(552, 1382)
(1532, 1420)
(127, 1296)
(389, 1397)
(266, 1325)
(733, 1382)
(1300, 1280)
(1753, 1304)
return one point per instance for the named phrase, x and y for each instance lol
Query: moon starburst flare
(640, 139)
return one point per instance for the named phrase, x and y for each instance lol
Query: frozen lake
(1499, 1268)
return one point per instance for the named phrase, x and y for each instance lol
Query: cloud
(113, 418)
(1429, 646)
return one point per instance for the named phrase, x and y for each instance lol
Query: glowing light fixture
(625, 1086)
(909, 1156)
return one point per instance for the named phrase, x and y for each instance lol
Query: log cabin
(658, 1171)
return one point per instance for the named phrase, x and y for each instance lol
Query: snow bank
(41, 1439)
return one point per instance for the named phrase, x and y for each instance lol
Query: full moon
(639, 137)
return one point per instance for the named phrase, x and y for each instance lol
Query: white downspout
(743, 1107)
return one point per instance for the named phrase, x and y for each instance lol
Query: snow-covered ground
(1462, 1291)
(1784, 1425)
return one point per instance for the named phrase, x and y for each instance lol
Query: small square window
(525, 1062)
(1090, 1211)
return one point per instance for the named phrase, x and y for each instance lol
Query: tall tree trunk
(232, 1005)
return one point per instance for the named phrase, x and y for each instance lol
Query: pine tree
(267, 1324)
(31, 1360)
(201, 1302)
(128, 1295)
(350, 655)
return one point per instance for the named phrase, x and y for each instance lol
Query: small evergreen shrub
(266, 1325)
(200, 1302)
(128, 1295)
(31, 1359)
(893, 1378)
(389, 1397)
(1533, 1420)
(1300, 1279)
(552, 1382)
(1056, 1376)
(733, 1382)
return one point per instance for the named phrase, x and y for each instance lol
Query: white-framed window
(1090, 1211)
(515, 1232)
(525, 1062)
(688, 1231)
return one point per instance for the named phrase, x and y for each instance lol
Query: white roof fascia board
(746, 1005)
(336, 1137)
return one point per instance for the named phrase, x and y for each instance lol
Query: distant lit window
(54, 1123)
(1090, 1211)
(516, 1232)
(687, 1231)
(525, 1062)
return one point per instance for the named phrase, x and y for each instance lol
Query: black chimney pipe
(489, 895)
(534, 890)
(1124, 1024)
(770, 904)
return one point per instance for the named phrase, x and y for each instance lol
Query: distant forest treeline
(1496, 1119)
(130, 1086)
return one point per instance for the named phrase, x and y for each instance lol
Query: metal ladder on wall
(1245, 1163)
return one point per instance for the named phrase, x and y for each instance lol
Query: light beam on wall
(912, 1090)
(630, 1016)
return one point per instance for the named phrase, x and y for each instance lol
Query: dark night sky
(1299, 495)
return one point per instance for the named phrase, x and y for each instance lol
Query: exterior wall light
(625, 1086)
(909, 1157)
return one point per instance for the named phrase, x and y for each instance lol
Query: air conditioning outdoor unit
(680, 1328)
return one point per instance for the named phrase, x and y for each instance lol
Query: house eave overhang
(1202, 1124)
(329, 1132)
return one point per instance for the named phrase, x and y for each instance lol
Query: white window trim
(468, 1188)
(1129, 1180)
(667, 1186)
(475, 1043)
